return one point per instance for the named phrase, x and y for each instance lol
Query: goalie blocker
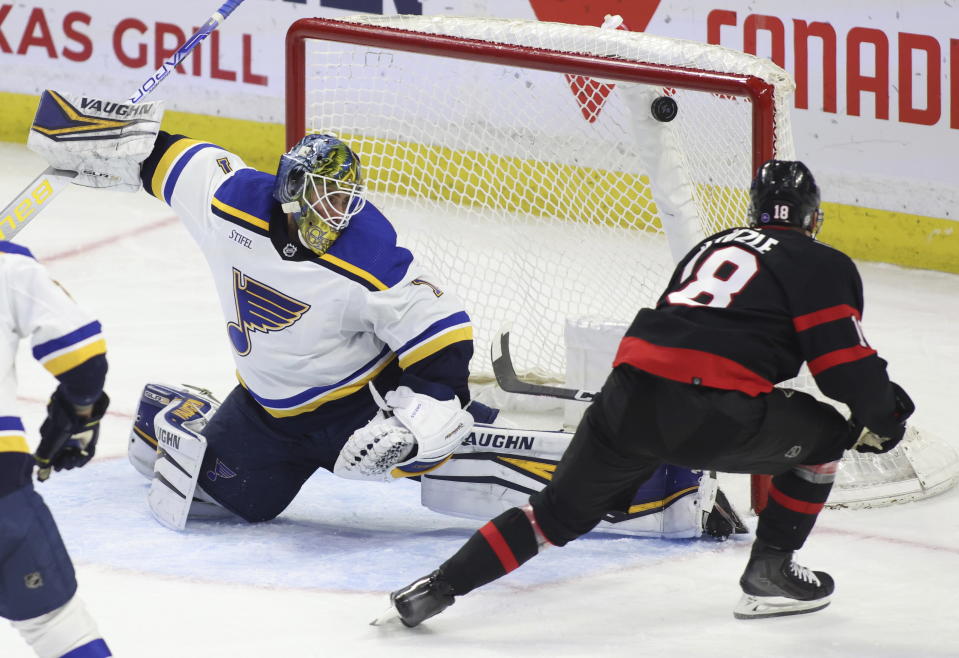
(494, 469)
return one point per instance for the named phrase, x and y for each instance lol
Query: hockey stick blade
(387, 617)
(510, 382)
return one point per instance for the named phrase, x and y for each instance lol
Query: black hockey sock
(493, 551)
(795, 499)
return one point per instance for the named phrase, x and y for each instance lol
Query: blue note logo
(260, 308)
(220, 470)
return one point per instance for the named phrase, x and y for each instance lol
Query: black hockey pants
(640, 421)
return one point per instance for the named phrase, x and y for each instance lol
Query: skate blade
(387, 617)
(764, 607)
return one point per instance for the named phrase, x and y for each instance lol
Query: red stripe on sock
(496, 541)
(794, 504)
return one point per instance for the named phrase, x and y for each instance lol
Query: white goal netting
(539, 195)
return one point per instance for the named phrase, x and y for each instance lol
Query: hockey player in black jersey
(694, 384)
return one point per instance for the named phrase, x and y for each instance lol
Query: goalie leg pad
(142, 445)
(497, 468)
(180, 449)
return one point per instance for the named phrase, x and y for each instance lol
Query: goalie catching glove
(103, 141)
(67, 439)
(412, 434)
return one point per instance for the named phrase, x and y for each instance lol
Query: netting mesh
(531, 194)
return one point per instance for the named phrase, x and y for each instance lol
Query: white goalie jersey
(305, 329)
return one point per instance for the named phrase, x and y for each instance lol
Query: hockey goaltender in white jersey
(349, 356)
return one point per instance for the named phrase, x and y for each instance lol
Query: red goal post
(759, 91)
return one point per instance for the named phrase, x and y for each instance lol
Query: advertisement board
(876, 111)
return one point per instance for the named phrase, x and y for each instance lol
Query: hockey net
(521, 161)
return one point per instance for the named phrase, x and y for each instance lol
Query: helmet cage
(334, 202)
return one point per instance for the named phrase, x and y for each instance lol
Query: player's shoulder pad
(829, 255)
(246, 199)
(18, 249)
(367, 252)
(163, 167)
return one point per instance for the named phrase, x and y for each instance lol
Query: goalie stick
(36, 196)
(510, 382)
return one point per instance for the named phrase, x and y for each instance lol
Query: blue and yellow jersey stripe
(312, 398)
(161, 171)
(12, 435)
(16, 461)
(439, 335)
(75, 348)
(246, 200)
(366, 279)
(240, 217)
(367, 252)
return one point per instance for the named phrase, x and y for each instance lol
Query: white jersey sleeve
(417, 318)
(185, 173)
(63, 336)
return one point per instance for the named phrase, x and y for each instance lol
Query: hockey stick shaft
(36, 196)
(510, 382)
(184, 51)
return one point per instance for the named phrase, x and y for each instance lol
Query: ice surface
(308, 583)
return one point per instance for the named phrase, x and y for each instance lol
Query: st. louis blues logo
(260, 308)
(220, 470)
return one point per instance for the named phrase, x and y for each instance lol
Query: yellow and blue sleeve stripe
(161, 171)
(439, 335)
(367, 252)
(16, 461)
(12, 435)
(344, 268)
(75, 348)
(312, 398)
(246, 200)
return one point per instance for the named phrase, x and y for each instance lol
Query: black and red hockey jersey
(746, 307)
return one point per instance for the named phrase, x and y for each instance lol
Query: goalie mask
(320, 183)
(784, 193)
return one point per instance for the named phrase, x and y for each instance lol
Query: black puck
(664, 109)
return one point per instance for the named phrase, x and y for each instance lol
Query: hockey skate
(422, 599)
(774, 585)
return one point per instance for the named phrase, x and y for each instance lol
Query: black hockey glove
(865, 440)
(68, 440)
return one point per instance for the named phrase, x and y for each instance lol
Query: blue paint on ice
(337, 535)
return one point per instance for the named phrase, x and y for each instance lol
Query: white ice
(308, 583)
